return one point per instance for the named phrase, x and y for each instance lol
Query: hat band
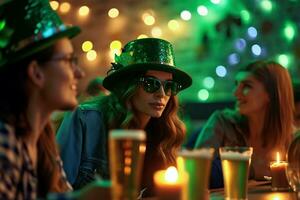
(39, 36)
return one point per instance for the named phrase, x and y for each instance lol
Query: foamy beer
(235, 166)
(126, 154)
(197, 163)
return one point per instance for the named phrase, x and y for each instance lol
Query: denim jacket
(82, 139)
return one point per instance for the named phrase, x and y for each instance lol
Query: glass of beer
(235, 167)
(126, 154)
(197, 164)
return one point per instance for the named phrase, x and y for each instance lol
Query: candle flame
(171, 174)
(277, 157)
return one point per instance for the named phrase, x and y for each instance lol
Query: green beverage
(197, 163)
(235, 166)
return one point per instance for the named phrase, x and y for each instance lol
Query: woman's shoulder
(10, 144)
(227, 114)
(95, 104)
(7, 133)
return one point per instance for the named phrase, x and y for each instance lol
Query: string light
(173, 25)
(65, 7)
(83, 11)
(203, 94)
(156, 32)
(54, 5)
(186, 15)
(91, 55)
(116, 44)
(266, 5)
(149, 20)
(233, 59)
(252, 32)
(113, 13)
(202, 10)
(87, 46)
(208, 82)
(221, 71)
(283, 59)
(256, 49)
(215, 1)
(245, 15)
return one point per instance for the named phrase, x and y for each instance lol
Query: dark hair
(278, 123)
(13, 107)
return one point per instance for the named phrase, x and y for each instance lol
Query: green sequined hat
(28, 26)
(141, 55)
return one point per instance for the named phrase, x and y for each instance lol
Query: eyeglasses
(151, 85)
(72, 60)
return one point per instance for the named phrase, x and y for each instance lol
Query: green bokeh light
(208, 82)
(289, 30)
(284, 60)
(266, 5)
(186, 15)
(245, 15)
(202, 10)
(215, 1)
(2, 24)
(203, 95)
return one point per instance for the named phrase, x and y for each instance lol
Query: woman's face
(61, 77)
(152, 104)
(251, 95)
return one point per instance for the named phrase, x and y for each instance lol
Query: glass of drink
(293, 166)
(293, 177)
(126, 153)
(197, 164)
(235, 167)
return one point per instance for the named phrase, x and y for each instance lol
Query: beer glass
(126, 156)
(197, 164)
(293, 167)
(235, 167)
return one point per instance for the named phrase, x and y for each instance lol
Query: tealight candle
(168, 184)
(279, 180)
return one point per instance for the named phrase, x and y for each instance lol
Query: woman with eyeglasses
(38, 75)
(143, 84)
(262, 119)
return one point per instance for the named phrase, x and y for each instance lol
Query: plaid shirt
(18, 178)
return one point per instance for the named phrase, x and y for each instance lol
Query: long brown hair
(278, 123)
(169, 129)
(13, 106)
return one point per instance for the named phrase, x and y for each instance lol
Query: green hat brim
(130, 71)
(35, 47)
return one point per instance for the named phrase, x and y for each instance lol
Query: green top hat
(139, 56)
(28, 26)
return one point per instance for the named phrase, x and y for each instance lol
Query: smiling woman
(32, 88)
(263, 118)
(143, 84)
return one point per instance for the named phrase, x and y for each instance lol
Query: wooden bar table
(258, 191)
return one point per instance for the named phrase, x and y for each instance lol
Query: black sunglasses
(151, 85)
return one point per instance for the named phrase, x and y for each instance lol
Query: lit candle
(278, 168)
(168, 184)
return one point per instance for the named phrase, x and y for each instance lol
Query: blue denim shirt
(82, 139)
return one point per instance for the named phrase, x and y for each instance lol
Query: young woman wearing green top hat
(143, 83)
